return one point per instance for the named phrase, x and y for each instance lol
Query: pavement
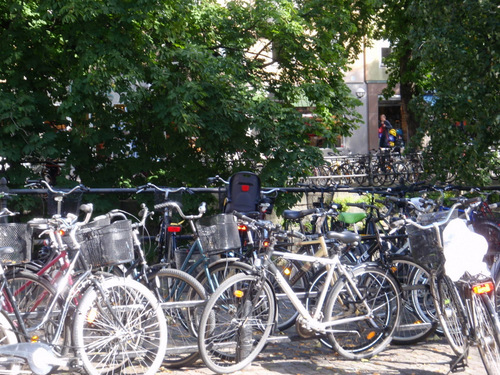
(304, 357)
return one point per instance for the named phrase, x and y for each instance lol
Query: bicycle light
(483, 288)
(174, 229)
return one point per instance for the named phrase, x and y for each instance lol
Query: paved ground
(309, 357)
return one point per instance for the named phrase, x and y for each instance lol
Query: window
(385, 52)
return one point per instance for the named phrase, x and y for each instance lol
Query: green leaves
(204, 88)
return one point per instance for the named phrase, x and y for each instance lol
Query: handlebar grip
(87, 208)
(159, 206)
(35, 182)
(241, 216)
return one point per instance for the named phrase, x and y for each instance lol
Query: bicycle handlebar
(213, 180)
(171, 204)
(30, 183)
(258, 223)
(462, 202)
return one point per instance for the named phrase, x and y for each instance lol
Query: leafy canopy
(450, 51)
(207, 87)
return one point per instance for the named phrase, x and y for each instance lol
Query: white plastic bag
(464, 250)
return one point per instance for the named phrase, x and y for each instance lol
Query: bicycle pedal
(459, 364)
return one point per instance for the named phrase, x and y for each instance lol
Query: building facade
(366, 79)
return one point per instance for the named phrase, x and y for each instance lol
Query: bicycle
(117, 324)
(179, 293)
(361, 311)
(464, 302)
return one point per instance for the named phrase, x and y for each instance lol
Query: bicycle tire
(487, 329)
(416, 323)
(120, 328)
(172, 285)
(236, 323)
(9, 365)
(219, 271)
(451, 315)
(361, 339)
(33, 296)
(291, 271)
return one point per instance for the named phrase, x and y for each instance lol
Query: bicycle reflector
(91, 315)
(174, 228)
(483, 288)
(239, 293)
(245, 188)
(287, 271)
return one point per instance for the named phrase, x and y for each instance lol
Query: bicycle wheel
(416, 324)
(366, 312)
(33, 296)
(298, 280)
(487, 329)
(212, 276)
(119, 327)
(451, 314)
(236, 323)
(173, 286)
(8, 364)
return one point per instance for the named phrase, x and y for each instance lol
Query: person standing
(383, 131)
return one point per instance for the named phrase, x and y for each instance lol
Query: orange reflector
(242, 227)
(174, 229)
(92, 314)
(239, 293)
(287, 271)
(371, 335)
(62, 232)
(266, 243)
(483, 288)
(34, 339)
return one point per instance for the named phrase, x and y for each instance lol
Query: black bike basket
(425, 244)
(218, 233)
(18, 240)
(107, 245)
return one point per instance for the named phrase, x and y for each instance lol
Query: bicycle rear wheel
(487, 329)
(451, 315)
(359, 332)
(119, 327)
(174, 286)
(236, 323)
(33, 296)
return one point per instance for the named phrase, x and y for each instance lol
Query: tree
(451, 52)
(206, 88)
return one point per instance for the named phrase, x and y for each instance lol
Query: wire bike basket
(218, 233)
(18, 238)
(107, 245)
(426, 244)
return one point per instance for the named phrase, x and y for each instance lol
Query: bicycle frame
(333, 265)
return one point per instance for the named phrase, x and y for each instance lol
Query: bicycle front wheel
(8, 364)
(487, 332)
(236, 323)
(119, 327)
(451, 315)
(416, 324)
(365, 312)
